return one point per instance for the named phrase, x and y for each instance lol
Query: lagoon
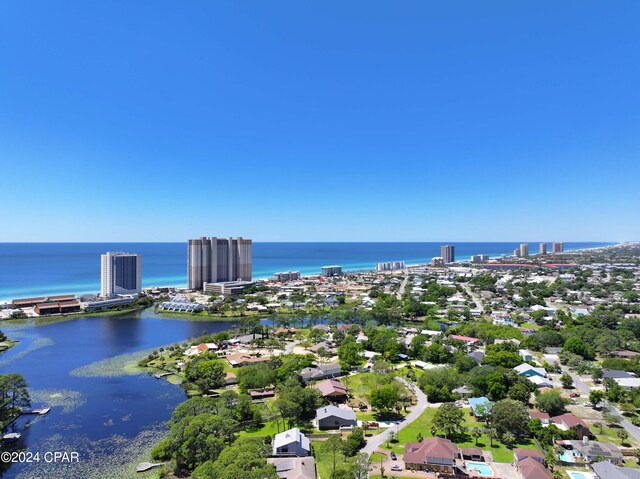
(101, 409)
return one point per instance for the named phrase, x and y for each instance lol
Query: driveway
(376, 441)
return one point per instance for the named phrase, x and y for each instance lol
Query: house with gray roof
(332, 417)
(606, 470)
(294, 467)
(324, 371)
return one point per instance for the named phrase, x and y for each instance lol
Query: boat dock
(145, 466)
(162, 375)
(41, 411)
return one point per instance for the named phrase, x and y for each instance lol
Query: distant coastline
(36, 269)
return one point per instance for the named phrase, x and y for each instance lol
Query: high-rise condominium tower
(543, 248)
(447, 253)
(558, 247)
(214, 260)
(121, 274)
(524, 249)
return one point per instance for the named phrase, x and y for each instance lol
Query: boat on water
(11, 437)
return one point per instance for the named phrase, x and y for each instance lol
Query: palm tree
(492, 434)
(623, 435)
(476, 433)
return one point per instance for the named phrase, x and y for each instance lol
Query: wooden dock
(162, 375)
(145, 466)
(41, 411)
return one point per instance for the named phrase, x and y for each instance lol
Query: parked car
(393, 456)
(373, 424)
(574, 395)
(395, 467)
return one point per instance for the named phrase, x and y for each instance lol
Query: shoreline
(346, 269)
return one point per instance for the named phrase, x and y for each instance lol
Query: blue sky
(326, 121)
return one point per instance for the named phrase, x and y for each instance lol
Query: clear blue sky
(355, 121)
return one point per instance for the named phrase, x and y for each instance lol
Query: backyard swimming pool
(482, 468)
(580, 475)
(567, 456)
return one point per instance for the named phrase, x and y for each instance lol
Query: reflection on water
(110, 419)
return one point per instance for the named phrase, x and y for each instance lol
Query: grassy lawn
(423, 425)
(610, 434)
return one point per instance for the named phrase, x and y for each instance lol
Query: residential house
(528, 371)
(294, 467)
(569, 421)
(480, 406)
(333, 417)
(530, 468)
(543, 416)
(592, 451)
(526, 355)
(606, 470)
(477, 356)
(434, 454)
(540, 382)
(291, 443)
(520, 454)
(330, 370)
(466, 339)
(333, 390)
(237, 360)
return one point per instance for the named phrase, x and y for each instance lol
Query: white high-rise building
(524, 250)
(214, 260)
(121, 273)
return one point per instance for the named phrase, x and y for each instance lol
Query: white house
(291, 443)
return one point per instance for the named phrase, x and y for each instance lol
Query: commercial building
(57, 307)
(447, 252)
(437, 261)
(226, 287)
(30, 302)
(286, 276)
(121, 273)
(524, 250)
(543, 248)
(329, 271)
(558, 247)
(390, 266)
(215, 260)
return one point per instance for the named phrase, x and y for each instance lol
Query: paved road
(376, 441)
(403, 286)
(580, 385)
(474, 297)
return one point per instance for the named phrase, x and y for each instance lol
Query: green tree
(595, 396)
(246, 458)
(510, 416)
(205, 372)
(566, 380)
(355, 442)
(14, 394)
(551, 402)
(623, 435)
(349, 354)
(385, 397)
(476, 433)
(520, 392)
(492, 434)
(360, 465)
(449, 419)
(508, 439)
(334, 446)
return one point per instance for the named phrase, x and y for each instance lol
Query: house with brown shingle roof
(570, 421)
(434, 454)
(529, 468)
(543, 416)
(521, 454)
(332, 389)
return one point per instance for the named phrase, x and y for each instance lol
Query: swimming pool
(481, 468)
(580, 475)
(567, 456)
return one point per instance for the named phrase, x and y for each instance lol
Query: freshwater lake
(110, 420)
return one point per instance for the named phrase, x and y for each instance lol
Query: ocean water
(33, 269)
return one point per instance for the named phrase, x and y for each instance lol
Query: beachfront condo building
(215, 260)
(543, 248)
(558, 247)
(121, 273)
(329, 271)
(524, 250)
(447, 253)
